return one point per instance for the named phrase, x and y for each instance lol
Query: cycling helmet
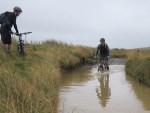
(102, 39)
(17, 9)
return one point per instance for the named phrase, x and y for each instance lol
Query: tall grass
(138, 65)
(30, 84)
(138, 62)
(119, 53)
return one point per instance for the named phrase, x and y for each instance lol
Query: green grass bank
(138, 65)
(119, 53)
(30, 84)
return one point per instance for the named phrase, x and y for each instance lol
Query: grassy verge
(119, 53)
(138, 65)
(30, 84)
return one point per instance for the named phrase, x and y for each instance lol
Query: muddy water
(87, 91)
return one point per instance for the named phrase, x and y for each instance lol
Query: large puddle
(87, 91)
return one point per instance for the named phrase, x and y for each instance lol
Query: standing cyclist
(7, 20)
(103, 52)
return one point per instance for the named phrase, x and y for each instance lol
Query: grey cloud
(124, 23)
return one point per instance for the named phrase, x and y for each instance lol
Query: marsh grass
(138, 65)
(138, 62)
(30, 84)
(119, 53)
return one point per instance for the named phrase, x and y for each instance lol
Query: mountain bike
(103, 65)
(20, 46)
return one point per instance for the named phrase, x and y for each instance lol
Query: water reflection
(86, 91)
(76, 77)
(142, 92)
(103, 92)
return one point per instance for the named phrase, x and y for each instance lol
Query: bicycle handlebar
(25, 33)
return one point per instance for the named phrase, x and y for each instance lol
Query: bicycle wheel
(100, 68)
(20, 49)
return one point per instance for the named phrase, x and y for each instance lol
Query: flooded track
(87, 91)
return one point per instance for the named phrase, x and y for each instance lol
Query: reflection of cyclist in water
(103, 92)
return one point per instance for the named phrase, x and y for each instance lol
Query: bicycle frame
(103, 65)
(20, 48)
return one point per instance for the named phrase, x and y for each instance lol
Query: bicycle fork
(21, 46)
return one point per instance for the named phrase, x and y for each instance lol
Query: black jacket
(102, 50)
(10, 20)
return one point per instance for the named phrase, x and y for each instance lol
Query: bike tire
(20, 50)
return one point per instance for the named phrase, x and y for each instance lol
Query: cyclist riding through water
(8, 19)
(103, 52)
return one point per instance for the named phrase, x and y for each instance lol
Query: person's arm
(97, 50)
(15, 25)
(108, 50)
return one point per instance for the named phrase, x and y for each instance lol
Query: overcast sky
(124, 23)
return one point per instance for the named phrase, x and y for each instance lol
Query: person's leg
(100, 64)
(107, 63)
(9, 48)
(5, 47)
(6, 40)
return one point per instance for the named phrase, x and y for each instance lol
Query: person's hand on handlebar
(14, 33)
(18, 34)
